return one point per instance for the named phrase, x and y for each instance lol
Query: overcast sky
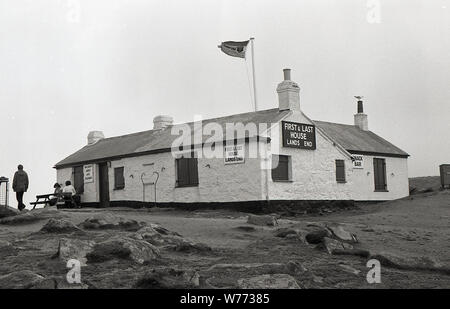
(68, 67)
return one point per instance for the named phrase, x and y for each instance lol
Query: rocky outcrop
(60, 226)
(168, 278)
(74, 249)
(161, 237)
(106, 221)
(31, 216)
(317, 236)
(264, 220)
(6, 211)
(22, 279)
(269, 281)
(411, 262)
(123, 247)
(54, 283)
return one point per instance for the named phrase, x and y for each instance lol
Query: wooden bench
(43, 199)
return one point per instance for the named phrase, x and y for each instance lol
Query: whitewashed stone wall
(396, 178)
(313, 171)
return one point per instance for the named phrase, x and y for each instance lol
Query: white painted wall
(396, 177)
(313, 171)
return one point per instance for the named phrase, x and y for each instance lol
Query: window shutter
(281, 171)
(119, 180)
(193, 171)
(340, 171)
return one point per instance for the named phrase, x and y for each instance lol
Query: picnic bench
(66, 199)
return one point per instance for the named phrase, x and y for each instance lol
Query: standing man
(20, 185)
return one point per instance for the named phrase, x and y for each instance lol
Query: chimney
(288, 93)
(94, 137)
(361, 118)
(160, 122)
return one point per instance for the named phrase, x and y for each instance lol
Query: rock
(410, 263)
(6, 211)
(245, 228)
(355, 252)
(31, 216)
(22, 279)
(168, 278)
(122, 247)
(258, 268)
(107, 221)
(269, 281)
(349, 269)
(54, 283)
(5, 244)
(317, 236)
(158, 236)
(285, 231)
(333, 244)
(264, 220)
(338, 232)
(74, 249)
(60, 226)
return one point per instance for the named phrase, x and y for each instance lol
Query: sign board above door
(298, 135)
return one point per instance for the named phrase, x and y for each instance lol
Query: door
(103, 184)
(379, 171)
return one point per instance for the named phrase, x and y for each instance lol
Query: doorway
(103, 184)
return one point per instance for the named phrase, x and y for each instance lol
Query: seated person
(68, 188)
(56, 194)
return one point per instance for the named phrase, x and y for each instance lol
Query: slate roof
(158, 140)
(353, 139)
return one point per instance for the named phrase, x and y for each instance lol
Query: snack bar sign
(299, 135)
(88, 173)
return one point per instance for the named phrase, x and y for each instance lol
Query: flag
(234, 49)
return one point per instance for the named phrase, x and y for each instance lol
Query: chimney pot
(360, 107)
(287, 74)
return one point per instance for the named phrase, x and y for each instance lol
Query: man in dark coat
(20, 185)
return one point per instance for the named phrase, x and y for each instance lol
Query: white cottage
(277, 156)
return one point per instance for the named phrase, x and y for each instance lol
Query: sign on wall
(358, 161)
(88, 171)
(298, 135)
(234, 154)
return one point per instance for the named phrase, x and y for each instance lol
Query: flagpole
(253, 71)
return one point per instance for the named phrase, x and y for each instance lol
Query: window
(281, 168)
(78, 179)
(379, 172)
(340, 170)
(119, 180)
(187, 171)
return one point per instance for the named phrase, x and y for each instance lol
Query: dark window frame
(119, 185)
(186, 171)
(380, 180)
(79, 187)
(282, 173)
(340, 171)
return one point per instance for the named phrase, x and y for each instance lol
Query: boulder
(22, 279)
(123, 247)
(331, 245)
(265, 220)
(158, 236)
(74, 249)
(168, 278)
(6, 211)
(269, 281)
(60, 226)
(317, 236)
(285, 232)
(107, 221)
(338, 232)
(410, 262)
(259, 268)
